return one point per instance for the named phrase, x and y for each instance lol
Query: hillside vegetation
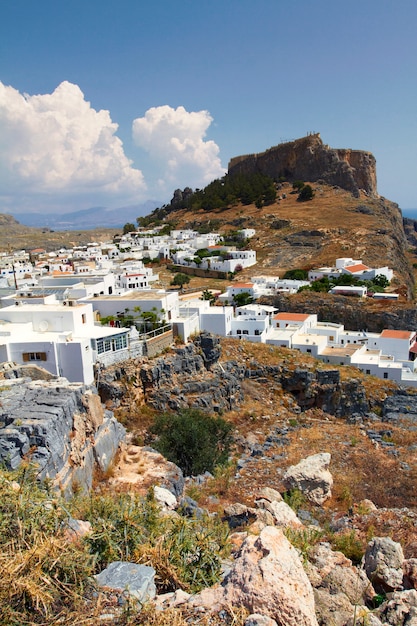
(292, 234)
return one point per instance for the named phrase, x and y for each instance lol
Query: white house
(349, 290)
(60, 337)
(164, 303)
(303, 321)
(251, 327)
(217, 320)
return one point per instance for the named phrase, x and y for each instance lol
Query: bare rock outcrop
(312, 477)
(268, 578)
(400, 609)
(311, 160)
(339, 587)
(384, 564)
(62, 427)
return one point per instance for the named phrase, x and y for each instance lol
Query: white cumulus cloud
(175, 139)
(55, 148)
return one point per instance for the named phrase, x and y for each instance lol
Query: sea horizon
(410, 213)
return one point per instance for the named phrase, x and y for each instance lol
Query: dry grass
(347, 232)
(151, 616)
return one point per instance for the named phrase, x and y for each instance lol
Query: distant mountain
(89, 218)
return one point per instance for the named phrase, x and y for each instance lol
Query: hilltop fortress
(309, 159)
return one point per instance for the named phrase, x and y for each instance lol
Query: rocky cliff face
(60, 426)
(311, 160)
(195, 377)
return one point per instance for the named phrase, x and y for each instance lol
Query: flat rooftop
(347, 350)
(133, 295)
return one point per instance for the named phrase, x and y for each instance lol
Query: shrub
(303, 539)
(43, 573)
(349, 544)
(295, 499)
(306, 193)
(185, 553)
(193, 440)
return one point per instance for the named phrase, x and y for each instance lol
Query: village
(74, 311)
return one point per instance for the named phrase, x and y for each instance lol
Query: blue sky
(113, 102)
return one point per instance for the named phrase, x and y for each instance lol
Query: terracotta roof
(292, 317)
(396, 334)
(360, 267)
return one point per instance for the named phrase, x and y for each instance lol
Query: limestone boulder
(128, 579)
(165, 498)
(267, 578)
(331, 570)
(282, 514)
(400, 609)
(339, 587)
(384, 564)
(312, 477)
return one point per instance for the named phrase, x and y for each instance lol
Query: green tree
(298, 184)
(306, 193)
(128, 228)
(193, 440)
(208, 295)
(381, 281)
(180, 280)
(296, 274)
(243, 298)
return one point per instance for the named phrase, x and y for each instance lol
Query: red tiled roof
(292, 317)
(396, 334)
(360, 267)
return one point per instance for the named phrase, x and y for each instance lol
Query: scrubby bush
(46, 574)
(185, 553)
(42, 572)
(193, 440)
(306, 193)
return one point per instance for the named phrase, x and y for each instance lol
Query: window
(257, 331)
(309, 350)
(245, 332)
(119, 342)
(385, 374)
(34, 356)
(238, 332)
(368, 371)
(331, 338)
(83, 318)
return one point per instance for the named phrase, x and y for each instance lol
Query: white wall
(76, 361)
(217, 320)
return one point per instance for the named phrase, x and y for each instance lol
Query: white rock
(165, 498)
(384, 564)
(312, 477)
(268, 578)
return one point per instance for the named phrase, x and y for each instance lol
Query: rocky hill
(322, 472)
(292, 234)
(16, 236)
(310, 159)
(345, 218)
